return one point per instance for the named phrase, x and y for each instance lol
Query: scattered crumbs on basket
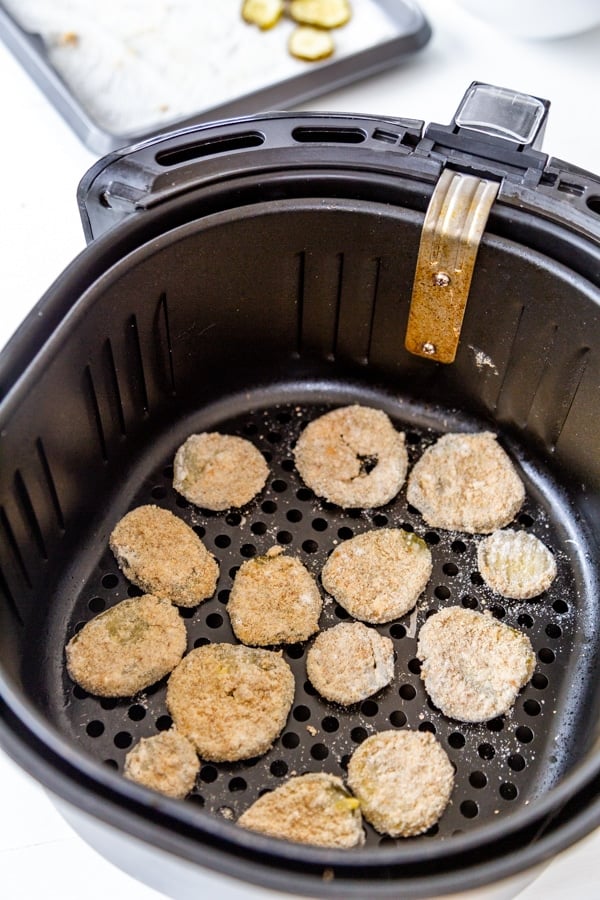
(145, 63)
(482, 360)
(227, 813)
(459, 553)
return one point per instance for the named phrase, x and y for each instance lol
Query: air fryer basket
(261, 274)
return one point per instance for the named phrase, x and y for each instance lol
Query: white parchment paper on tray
(134, 64)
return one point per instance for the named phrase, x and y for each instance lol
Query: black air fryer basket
(244, 277)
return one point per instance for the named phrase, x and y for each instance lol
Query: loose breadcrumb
(352, 456)
(350, 662)
(403, 780)
(473, 666)
(167, 763)
(379, 575)
(218, 471)
(127, 648)
(231, 701)
(310, 809)
(516, 564)
(466, 482)
(274, 600)
(162, 555)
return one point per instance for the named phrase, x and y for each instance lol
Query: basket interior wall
(262, 307)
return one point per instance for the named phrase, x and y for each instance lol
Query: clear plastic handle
(500, 112)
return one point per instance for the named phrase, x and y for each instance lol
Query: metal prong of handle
(452, 231)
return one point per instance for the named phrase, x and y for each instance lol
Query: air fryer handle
(502, 114)
(495, 125)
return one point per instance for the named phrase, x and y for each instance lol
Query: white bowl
(537, 18)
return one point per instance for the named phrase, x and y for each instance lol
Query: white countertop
(41, 162)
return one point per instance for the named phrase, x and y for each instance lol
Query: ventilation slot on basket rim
(209, 147)
(315, 134)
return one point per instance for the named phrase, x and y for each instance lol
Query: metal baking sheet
(119, 73)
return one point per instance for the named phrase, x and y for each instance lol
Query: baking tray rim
(28, 49)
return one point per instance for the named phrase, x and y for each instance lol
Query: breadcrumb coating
(274, 600)
(379, 575)
(231, 701)
(161, 554)
(127, 648)
(352, 456)
(403, 780)
(350, 662)
(516, 564)
(166, 762)
(466, 482)
(310, 809)
(473, 666)
(218, 471)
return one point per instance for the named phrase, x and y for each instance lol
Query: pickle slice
(310, 43)
(264, 13)
(320, 13)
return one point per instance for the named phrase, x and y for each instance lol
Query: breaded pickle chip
(309, 809)
(350, 662)
(321, 13)
(127, 648)
(167, 763)
(378, 575)
(274, 600)
(231, 701)
(403, 780)
(473, 666)
(264, 13)
(162, 555)
(516, 564)
(218, 471)
(466, 482)
(353, 456)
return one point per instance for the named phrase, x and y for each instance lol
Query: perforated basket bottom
(499, 764)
